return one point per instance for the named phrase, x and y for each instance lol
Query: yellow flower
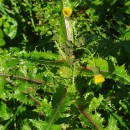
(99, 79)
(67, 11)
(72, 57)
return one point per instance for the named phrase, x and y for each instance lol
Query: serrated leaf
(112, 124)
(2, 93)
(92, 113)
(43, 55)
(96, 117)
(26, 125)
(42, 125)
(60, 102)
(115, 115)
(111, 70)
(3, 110)
(101, 63)
(10, 27)
(121, 74)
(127, 35)
(47, 108)
(12, 62)
(95, 102)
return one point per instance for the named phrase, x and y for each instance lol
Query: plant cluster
(64, 65)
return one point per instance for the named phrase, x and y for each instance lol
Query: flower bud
(67, 11)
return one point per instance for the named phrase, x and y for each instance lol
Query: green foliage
(47, 76)
(42, 125)
(112, 125)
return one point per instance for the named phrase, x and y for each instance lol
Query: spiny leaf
(121, 74)
(101, 63)
(26, 126)
(3, 109)
(42, 125)
(43, 55)
(47, 108)
(92, 113)
(108, 107)
(60, 102)
(112, 124)
(10, 27)
(2, 93)
(111, 70)
(95, 102)
(39, 55)
(96, 117)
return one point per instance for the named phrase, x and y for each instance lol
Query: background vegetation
(47, 82)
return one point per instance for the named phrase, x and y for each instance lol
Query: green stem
(57, 110)
(60, 51)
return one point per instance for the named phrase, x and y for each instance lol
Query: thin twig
(88, 117)
(86, 68)
(23, 78)
(91, 69)
(34, 99)
(26, 93)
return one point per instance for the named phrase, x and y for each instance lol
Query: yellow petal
(67, 11)
(99, 78)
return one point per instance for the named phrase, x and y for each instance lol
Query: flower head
(67, 11)
(99, 79)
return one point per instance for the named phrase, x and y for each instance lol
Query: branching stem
(88, 117)
(23, 78)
